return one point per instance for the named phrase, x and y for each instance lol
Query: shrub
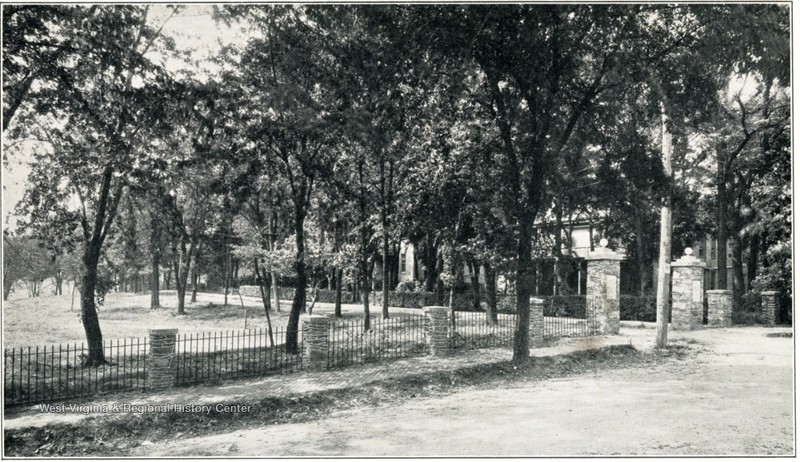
(636, 308)
(407, 286)
(573, 306)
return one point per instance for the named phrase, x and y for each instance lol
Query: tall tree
(287, 89)
(102, 96)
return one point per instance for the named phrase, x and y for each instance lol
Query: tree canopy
(329, 137)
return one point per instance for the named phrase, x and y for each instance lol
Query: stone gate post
(602, 289)
(437, 329)
(687, 292)
(769, 307)
(536, 324)
(315, 342)
(162, 367)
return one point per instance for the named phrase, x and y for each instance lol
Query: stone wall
(720, 308)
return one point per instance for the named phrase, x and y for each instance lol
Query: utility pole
(665, 241)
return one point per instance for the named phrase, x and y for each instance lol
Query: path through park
(734, 398)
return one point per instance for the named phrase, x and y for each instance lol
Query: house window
(403, 262)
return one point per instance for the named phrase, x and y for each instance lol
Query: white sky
(192, 29)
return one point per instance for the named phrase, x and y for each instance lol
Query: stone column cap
(769, 292)
(426, 309)
(315, 317)
(720, 291)
(162, 331)
(604, 253)
(537, 300)
(688, 260)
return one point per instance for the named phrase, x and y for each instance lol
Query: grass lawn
(48, 320)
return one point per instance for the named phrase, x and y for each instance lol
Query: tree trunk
(155, 302)
(722, 222)
(752, 260)
(429, 258)
(523, 288)
(641, 259)
(273, 231)
(384, 242)
(385, 276)
(665, 240)
(58, 278)
(227, 277)
(299, 300)
(91, 324)
(182, 277)
(557, 255)
(475, 271)
(364, 242)
(194, 282)
(337, 307)
(491, 294)
(738, 273)
(264, 299)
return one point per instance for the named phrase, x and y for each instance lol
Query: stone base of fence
(315, 342)
(437, 329)
(720, 308)
(536, 324)
(161, 362)
(769, 307)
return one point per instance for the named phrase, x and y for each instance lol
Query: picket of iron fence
(472, 330)
(214, 356)
(47, 373)
(393, 338)
(570, 319)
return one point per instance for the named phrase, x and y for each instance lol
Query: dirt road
(734, 398)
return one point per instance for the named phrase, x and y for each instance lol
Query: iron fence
(47, 373)
(393, 338)
(215, 356)
(472, 329)
(570, 318)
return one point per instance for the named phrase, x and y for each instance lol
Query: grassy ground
(48, 319)
(117, 435)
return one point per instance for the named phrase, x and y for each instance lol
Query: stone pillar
(602, 289)
(769, 307)
(687, 292)
(437, 329)
(720, 308)
(162, 368)
(316, 329)
(536, 324)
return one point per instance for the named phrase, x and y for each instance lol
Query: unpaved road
(735, 398)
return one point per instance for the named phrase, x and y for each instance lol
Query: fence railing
(41, 374)
(472, 330)
(215, 356)
(569, 318)
(47, 373)
(393, 338)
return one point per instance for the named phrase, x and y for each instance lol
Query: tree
(96, 103)
(292, 113)
(536, 113)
